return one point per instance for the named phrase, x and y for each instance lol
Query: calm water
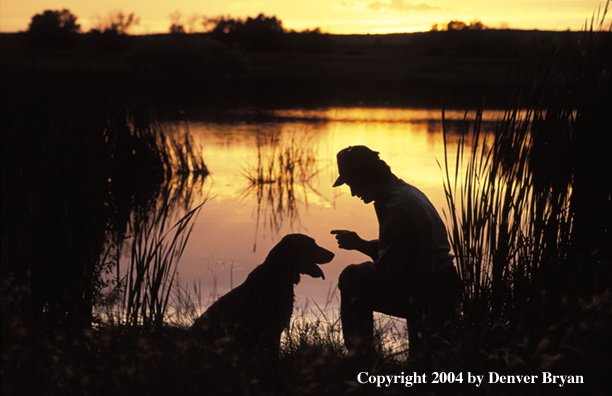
(270, 179)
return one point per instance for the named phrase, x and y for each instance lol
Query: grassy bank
(165, 360)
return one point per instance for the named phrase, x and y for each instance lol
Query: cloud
(382, 5)
(400, 5)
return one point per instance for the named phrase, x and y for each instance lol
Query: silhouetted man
(411, 274)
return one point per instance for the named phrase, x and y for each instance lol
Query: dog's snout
(325, 256)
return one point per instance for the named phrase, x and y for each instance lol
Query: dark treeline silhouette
(264, 33)
(255, 34)
(113, 32)
(459, 25)
(58, 29)
(257, 62)
(53, 29)
(465, 43)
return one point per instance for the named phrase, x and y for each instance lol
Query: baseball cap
(352, 161)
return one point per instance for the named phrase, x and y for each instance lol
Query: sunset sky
(332, 16)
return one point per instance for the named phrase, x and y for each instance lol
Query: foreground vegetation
(165, 360)
(84, 165)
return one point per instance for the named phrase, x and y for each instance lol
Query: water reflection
(385, 115)
(272, 178)
(152, 220)
(282, 174)
(185, 184)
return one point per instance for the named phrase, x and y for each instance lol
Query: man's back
(411, 233)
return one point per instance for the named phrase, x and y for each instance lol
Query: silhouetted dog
(251, 318)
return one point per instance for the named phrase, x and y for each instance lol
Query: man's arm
(349, 240)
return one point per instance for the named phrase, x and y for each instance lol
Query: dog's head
(303, 254)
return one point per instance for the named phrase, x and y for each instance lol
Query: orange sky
(332, 16)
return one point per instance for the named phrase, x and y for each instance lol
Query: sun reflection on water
(270, 179)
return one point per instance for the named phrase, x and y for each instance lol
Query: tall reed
(526, 216)
(156, 238)
(154, 252)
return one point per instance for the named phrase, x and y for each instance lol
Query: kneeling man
(411, 274)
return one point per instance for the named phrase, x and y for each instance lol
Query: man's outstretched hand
(348, 240)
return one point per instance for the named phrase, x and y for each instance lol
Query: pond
(271, 178)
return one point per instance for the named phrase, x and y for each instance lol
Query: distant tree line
(111, 33)
(256, 34)
(456, 25)
(59, 29)
(55, 29)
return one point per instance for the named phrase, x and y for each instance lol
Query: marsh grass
(529, 219)
(157, 228)
(185, 158)
(282, 179)
(155, 249)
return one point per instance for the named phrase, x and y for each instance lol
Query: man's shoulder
(406, 197)
(398, 199)
(402, 191)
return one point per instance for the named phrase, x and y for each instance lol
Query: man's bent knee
(347, 273)
(353, 272)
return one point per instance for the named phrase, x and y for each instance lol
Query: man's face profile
(361, 188)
